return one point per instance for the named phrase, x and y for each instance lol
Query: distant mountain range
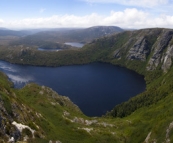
(2, 28)
(18, 33)
(68, 35)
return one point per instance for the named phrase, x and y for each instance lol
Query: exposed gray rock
(147, 138)
(167, 140)
(139, 50)
(119, 52)
(129, 42)
(90, 122)
(58, 142)
(55, 141)
(86, 129)
(6, 129)
(167, 59)
(158, 48)
(79, 120)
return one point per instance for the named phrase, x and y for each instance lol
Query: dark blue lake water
(95, 88)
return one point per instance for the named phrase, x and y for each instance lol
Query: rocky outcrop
(153, 46)
(11, 110)
(147, 138)
(6, 129)
(167, 58)
(54, 96)
(167, 140)
(158, 48)
(139, 50)
(119, 52)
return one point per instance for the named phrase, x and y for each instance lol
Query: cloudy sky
(136, 14)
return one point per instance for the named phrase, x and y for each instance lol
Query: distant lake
(75, 44)
(95, 88)
(49, 49)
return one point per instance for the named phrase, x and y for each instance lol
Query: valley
(147, 117)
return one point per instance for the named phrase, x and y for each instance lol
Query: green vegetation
(146, 117)
(53, 122)
(56, 118)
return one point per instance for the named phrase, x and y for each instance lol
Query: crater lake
(96, 88)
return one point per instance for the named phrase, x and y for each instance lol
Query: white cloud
(1, 21)
(133, 18)
(57, 21)
(129, 18)
(141, 3)
(163, 21)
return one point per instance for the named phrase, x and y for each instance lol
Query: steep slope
(37, 114)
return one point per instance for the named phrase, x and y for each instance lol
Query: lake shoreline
(86, 73)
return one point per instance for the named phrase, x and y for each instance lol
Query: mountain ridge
(83, 35)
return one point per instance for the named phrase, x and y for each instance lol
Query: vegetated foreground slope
(144, 118)
(38, 114)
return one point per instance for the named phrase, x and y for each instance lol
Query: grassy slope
(54, 125)
(133, 128)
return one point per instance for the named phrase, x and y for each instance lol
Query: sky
(130, 14)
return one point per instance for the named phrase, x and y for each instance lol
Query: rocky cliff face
(153, 46)
(139, 50)
(167, 58)
(13, 118)
(159, 46)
